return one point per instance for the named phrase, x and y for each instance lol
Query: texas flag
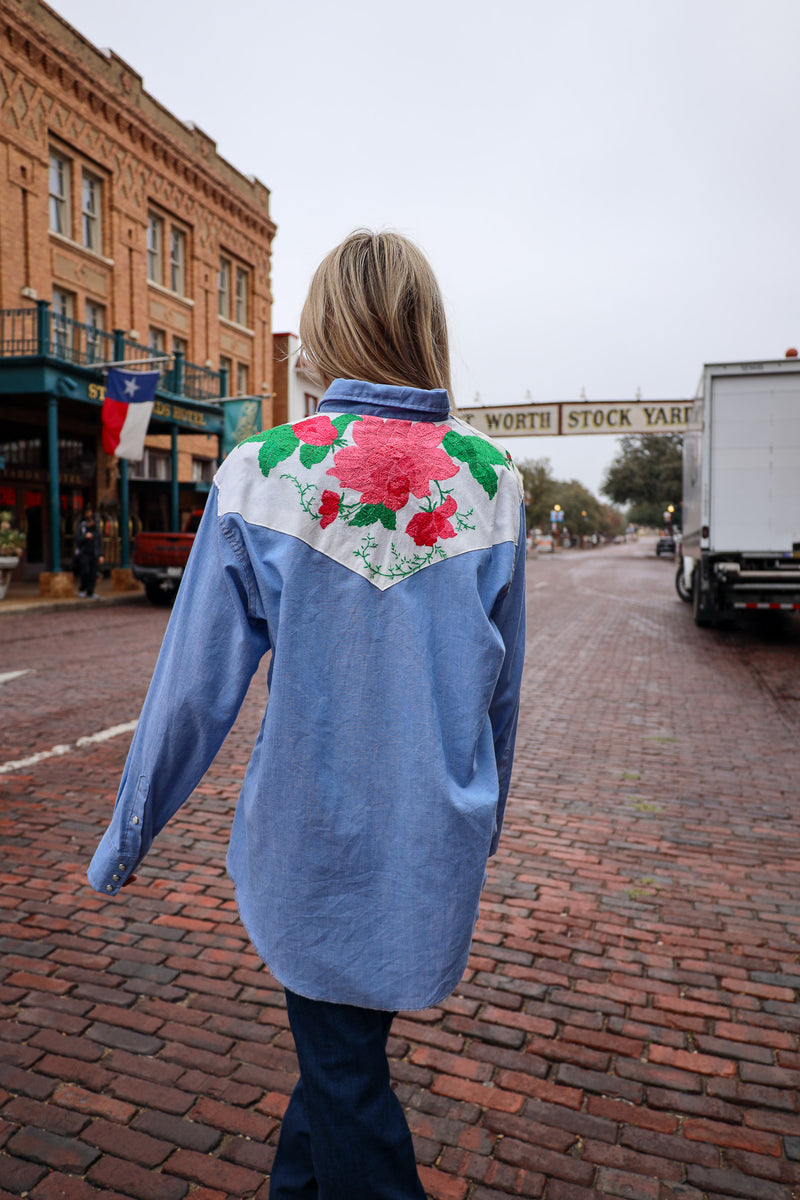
(126, 411)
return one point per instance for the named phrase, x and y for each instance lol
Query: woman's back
(381, 556)
(377, 550)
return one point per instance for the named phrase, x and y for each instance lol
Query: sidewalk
(25, 597)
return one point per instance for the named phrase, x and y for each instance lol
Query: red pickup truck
(159, 560)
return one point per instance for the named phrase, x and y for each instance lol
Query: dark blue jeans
(344, 1135)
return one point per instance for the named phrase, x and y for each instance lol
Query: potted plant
(12, 544)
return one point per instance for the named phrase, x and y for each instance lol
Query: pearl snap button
(109, 888)
(135, 820)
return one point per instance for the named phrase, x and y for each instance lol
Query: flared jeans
(344, 1135)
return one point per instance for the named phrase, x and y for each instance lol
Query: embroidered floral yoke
(382, 496)
(377, 549)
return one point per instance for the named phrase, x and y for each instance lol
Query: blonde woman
(377, 549)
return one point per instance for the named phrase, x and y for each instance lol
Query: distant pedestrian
(89, 553)
(377, 549)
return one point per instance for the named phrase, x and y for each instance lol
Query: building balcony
(38, 334)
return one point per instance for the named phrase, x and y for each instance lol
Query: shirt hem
(415, 1005)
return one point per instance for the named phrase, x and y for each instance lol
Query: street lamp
(556, 517)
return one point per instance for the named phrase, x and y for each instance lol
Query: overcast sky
(607, 189)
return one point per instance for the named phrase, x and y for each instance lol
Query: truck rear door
(755, 451)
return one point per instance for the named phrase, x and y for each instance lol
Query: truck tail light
(704, 531)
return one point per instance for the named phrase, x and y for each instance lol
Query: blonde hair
(374, 312)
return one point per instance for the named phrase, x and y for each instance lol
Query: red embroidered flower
(329, 508)
(427, 527)
(391, 459)
(316, 431)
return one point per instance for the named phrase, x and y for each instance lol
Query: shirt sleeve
(211, 650)
(509, 617)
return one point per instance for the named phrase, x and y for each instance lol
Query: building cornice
(115, 92)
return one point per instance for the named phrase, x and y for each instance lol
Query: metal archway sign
(582, 417)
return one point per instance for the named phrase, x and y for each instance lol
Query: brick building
(296, 390)
(123, 234)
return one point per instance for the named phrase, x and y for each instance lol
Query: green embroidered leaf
(278, 444)
(368, 514)
(485, 476)
(311, 455)
(343, 421)
(473, 449)
(479, 455)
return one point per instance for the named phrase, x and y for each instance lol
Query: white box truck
(741, 491)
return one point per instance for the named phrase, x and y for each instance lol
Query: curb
(16, 608)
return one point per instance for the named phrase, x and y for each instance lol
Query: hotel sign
(200, 419)
(582, 417)
(192, 417)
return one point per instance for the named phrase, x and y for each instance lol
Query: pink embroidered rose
(391, 459)
(329, 508)
(316, 431)
(427, 527)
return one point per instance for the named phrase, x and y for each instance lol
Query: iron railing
(18, 332)
(201, 383)
(40, 333)
(81, 345)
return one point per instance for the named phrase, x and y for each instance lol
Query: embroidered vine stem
(403, 564)
(346, 511)
(442, 494)
(302, 490)
(462, 520)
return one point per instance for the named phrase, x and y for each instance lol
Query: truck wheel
(703, 613)
(156, 594)
(680, 587)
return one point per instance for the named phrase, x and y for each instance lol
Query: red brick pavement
(628, 1025)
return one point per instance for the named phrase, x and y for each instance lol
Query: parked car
(665, 544)
(159, 560)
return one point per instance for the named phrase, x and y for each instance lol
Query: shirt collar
(386, 400)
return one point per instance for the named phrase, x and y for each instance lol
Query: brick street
(629, 1023)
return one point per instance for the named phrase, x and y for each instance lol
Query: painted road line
(106, 734)
(58, 751)
(7, 676)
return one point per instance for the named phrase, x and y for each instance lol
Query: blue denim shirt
(377, 550)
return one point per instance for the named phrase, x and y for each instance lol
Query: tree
(583, 512)
(613, 524)
(647, 474)
(539, 492)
